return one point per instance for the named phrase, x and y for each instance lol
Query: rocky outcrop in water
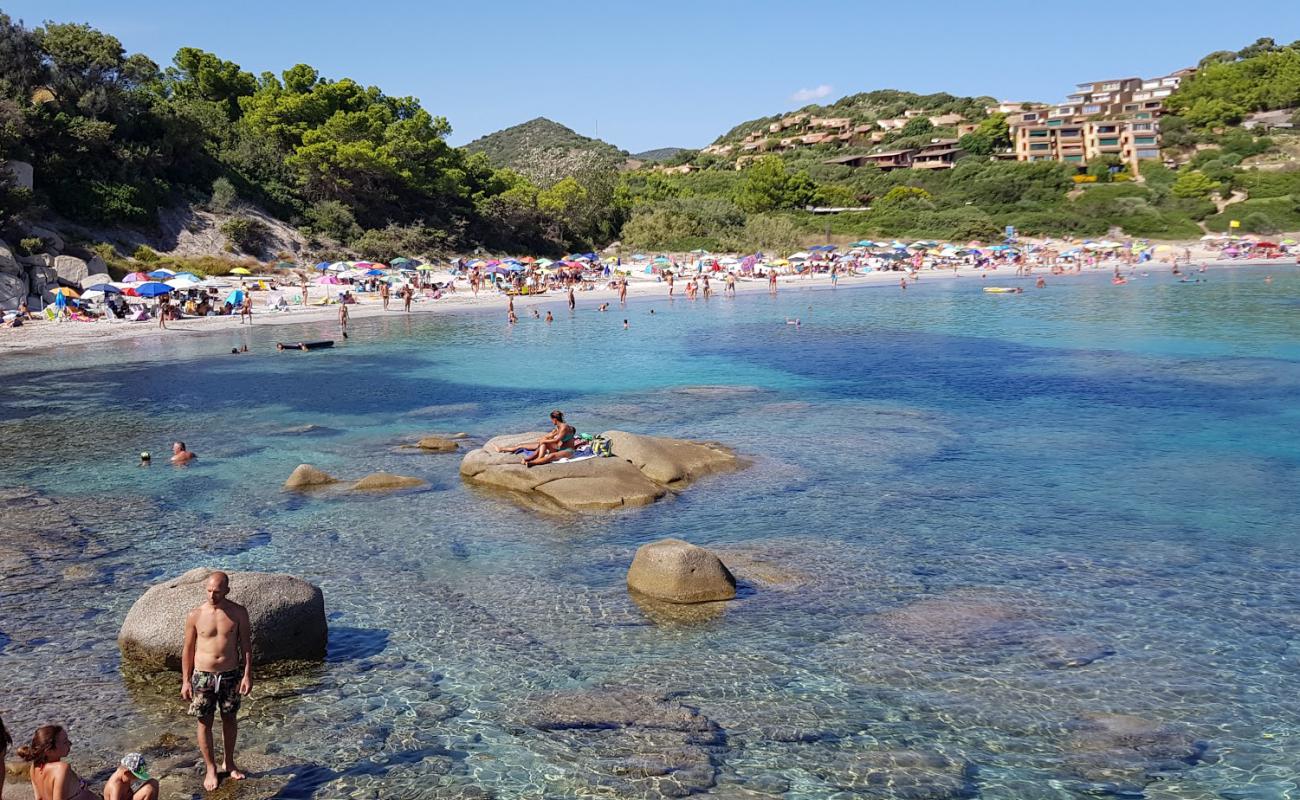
(634, 744)
(287, 616)
(438, 444)
(675, 571)
(386, 482)
(305, 476)
(641, 471)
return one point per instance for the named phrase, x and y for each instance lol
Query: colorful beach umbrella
(66, 292)
(328, 280)
(240, 271)
(135, 277)
(152, 289)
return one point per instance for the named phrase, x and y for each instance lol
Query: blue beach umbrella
(106, 288)
(152, 289)
(162, 274)
(235, 297)
(322, 266)
(374, 272)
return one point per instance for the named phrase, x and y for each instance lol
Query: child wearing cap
(131, 781)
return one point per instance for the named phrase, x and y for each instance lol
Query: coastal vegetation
(115, 139)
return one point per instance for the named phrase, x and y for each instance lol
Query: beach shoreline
(44, 335)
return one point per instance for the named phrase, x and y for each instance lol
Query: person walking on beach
(771, 280)
(217, 671)
(162, 312)
(5, 741)
(246, 309)
(406, 298)
(707, 290)
(668, 276)
(343, 319)
(835, 275)
(622, 291)
(731, 284)
(383, 293)
(131, 780)
(52, 778)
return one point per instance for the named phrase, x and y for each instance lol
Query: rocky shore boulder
(596, 484)
(386, 481)
(675, 571)
(670, 461)
(287, 617)
(71, 269)
(305, 476)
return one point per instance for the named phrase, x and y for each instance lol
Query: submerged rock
(630, 744)
(957, 620)
(287, 616)
(675, 571)
(386, 481)
(305, 476)
(1120, 753)
(908, 774)
(638, 474)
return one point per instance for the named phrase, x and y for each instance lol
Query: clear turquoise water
(960, 490)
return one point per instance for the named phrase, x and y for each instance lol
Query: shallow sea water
(972, 524)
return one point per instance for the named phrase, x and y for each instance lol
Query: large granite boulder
(679, 572)
(305, 476)
(8, 264)
(287, 617)
(20, 174)
(13, 291)
(595, 484)
(95, 278)
(51, 239)
(70, 269)
(670, 461)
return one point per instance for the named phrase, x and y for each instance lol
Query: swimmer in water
(1040, 283)
(625, 325)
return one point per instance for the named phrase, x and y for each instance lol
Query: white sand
(43, 334)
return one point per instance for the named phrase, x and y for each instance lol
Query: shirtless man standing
(216, 671)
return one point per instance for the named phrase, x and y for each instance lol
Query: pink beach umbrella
(136, 277)
(328, 280)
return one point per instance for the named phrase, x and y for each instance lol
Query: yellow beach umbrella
(66, 292)
(240, 271)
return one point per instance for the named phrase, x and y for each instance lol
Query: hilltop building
(1118, 117)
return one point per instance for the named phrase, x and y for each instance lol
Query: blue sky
(675, 73)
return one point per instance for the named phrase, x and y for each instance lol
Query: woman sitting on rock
(557, 444)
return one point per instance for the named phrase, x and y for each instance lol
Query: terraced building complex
(1104, 118)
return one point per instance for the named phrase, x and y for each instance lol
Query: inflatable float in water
(321, 345)
(1003, 289)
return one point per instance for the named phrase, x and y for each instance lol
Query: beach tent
(235, 297)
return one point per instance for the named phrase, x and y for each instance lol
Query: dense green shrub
(245, 233)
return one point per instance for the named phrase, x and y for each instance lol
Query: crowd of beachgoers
(161, 300)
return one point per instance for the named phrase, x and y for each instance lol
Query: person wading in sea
(217, 671)
(383, 293)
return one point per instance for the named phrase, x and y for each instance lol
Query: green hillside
(660, 154)
(871, 106)
(545, 151)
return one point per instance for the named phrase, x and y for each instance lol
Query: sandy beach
(42, 334)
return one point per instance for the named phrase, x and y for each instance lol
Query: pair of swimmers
(559, 443)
